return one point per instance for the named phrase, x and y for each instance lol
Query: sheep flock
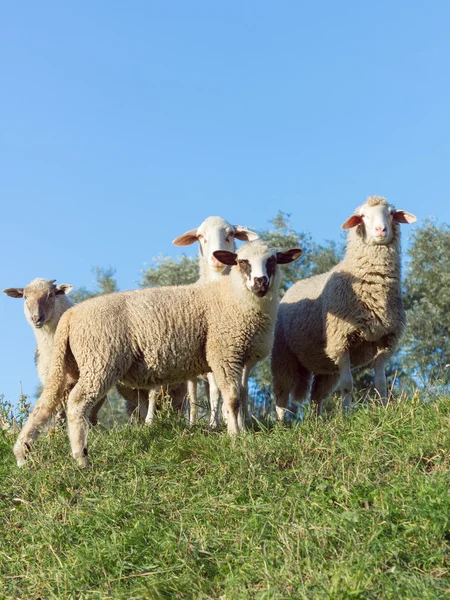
(219, 328)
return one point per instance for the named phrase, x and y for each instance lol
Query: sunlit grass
(354, 507)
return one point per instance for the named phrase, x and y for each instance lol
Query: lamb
(149, 337)
(44, 304)
(214, 233)
(350, 316)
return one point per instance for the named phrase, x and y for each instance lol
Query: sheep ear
(225, 257)
(188, 238)
(283, 258)
(14, 292)
(63, 288)
(401, 216)
(244, 234)
(352, 221)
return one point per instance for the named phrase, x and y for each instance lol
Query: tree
(105, 283)
(316, 258)
(170, 271)
(427, 302)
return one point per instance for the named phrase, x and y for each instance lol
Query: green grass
(354, 507)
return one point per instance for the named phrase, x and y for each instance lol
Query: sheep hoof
(82, 459)
(21, 450)
(83, 462)
(21, 461)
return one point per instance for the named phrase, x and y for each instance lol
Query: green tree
(170, 271)
(427, 302)
(105, 283)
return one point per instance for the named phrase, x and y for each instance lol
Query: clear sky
(122, 124)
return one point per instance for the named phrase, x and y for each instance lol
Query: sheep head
(375, 220)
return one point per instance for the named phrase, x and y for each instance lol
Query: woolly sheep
(149, 337)
(214, 233)
(350, 316)
(44, 304)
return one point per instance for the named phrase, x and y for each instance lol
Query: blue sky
(124, 124)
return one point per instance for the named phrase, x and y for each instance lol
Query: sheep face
(40, 297)
(215, 234)
(257, 265)
(375, 221)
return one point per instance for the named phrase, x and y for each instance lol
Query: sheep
(350, 316)
(214, 233)
(149, 337)
(44, 304)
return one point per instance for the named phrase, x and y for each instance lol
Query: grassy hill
(354, 507)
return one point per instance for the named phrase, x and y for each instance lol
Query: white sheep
(44, 304)
(350, 316)
(214, 233)
(151, 337)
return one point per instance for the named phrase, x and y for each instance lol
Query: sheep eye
(245, 267)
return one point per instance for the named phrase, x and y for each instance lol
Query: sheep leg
(290, 377)
(82, 398)
(380, 378)
(214, 399)
(244, 416)
(193, 407)
(93, 418)
(32, 429)
(321, 387)
(284, 366)
(78, 424)
(129, 395)
(230, 397)
(346, 380)
(151, 407)
(230, 386)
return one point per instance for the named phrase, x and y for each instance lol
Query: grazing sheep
(150, 337)
(44, 304)
(213, 234)
(350, 316)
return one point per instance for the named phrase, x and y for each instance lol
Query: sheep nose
(37, 320)
(260, 285)
(381, 229)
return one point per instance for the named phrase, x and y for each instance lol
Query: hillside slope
(355, 507)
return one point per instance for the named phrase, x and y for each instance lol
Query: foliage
(427, 300)
(105, 283)
(316, 258)
(14, 416)
(354, 507)
(170, 271)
